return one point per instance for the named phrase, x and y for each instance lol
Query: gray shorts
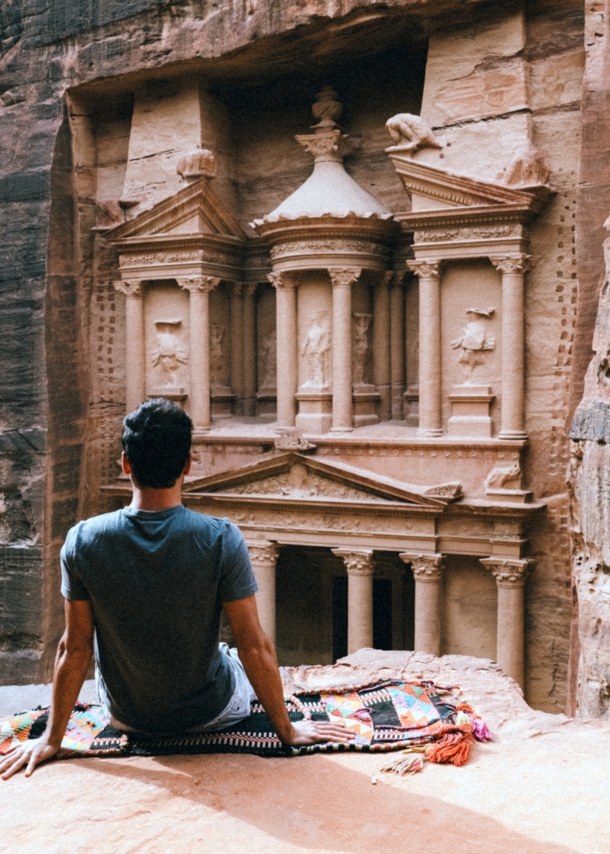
(235, 711)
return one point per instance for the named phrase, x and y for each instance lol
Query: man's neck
(151, 499)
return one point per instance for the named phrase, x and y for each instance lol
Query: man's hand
(313, 732)
(31, 753)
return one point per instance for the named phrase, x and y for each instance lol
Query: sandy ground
(542, 787)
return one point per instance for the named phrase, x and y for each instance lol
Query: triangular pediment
(441, 189)
(193, 210)
(293, 476)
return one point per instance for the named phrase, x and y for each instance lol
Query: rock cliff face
(58, 58)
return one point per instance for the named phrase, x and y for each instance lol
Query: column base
(200, 432)
(514, 435)
(365, 399)
(315, 411)
(341, 430)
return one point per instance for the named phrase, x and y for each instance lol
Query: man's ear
(125, 464)
(188, 464)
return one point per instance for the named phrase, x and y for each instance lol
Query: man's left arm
(71, 663)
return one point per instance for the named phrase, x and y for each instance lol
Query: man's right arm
(257, 654)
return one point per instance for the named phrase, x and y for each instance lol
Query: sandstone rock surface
(541, 787)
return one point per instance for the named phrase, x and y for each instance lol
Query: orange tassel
(453, 746)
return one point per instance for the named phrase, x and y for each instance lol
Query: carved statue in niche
(475, 340)
(360, 348)
(411, 132)
(316, 352)
(217, 360)
(169, 356)
(268, 361)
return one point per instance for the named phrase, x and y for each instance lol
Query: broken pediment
(193, 210)
(432, 188)
(294, 476)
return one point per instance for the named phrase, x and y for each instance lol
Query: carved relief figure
(315, 353)
(475, 339)
(169, 355)
(196, 163)
(411, 132)
(268, 361)
(360, 348)
(217, 361)
(526, 169)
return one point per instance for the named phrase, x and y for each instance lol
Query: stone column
(397, 345)
(134, 343)
(360, 571)
(263, 555)
(237, 345)
(342, 280)
(287, 347)
(428, 272)
(510, 575)
(513, 269)
(428, 573)
(199, 288)
(249, 349)
(381, 345)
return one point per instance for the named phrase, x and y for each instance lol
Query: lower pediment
(293, 476)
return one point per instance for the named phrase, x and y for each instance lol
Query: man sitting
(144, 587)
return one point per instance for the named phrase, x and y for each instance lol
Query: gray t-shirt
(157, 582)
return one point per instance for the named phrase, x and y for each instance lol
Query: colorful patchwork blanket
(393, 715)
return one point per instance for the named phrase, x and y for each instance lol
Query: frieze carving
(300, 483)
(300, 247)
(130, 289)
(508, 573)
(290, 439)
(426, 568)
(475, 339)
(263, 554)
(316, 353)
(343, 277)
(514, 263)
(184, 256)
(425, 269)
(467, 233)
(504, 477)
(410, 132)
(357, 561)
(314, 521)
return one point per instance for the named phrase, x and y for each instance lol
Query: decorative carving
(327, 107)
(300, 483)
(425, 269)
(217, 360)
(427, 569)
(283, 280)
(196, 163)
(508, 572)
(328, 142)
(357, 561)
(504, 477)
(299, 247)
(130, 289)
(467, 233)
(526, 169)
(360, 348)
(250, 289)
(263, 553)
(475, 340)
(316, 351)
(268, 361)
(343, 277)
(289, 439)
(199, 284)
(452, 489)
(411, 132)
(137, 259)
(169, 355)
(514, 263)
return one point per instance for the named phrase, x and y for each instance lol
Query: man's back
(156, 582)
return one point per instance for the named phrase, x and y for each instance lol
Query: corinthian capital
(283, 280)
(130, 289)
(357, 561)
(514, 263)
(343, 277)
(199, 284)
(425, 568)
(263, 553)
(425, 269)
(508, 572)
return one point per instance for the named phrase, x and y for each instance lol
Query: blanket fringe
(405, 765)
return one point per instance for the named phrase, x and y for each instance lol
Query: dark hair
(157, 440)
